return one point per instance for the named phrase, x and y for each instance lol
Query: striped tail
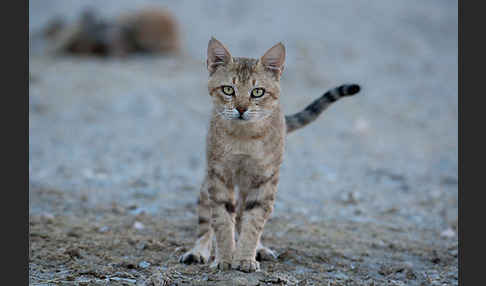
(313, 110)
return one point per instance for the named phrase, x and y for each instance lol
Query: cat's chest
(250, 154)
(247, 148)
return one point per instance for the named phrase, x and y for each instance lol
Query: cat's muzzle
(240, 114)
(243, 116)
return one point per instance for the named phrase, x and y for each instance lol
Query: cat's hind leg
(201, 251)
(222, 203)
(264, 253)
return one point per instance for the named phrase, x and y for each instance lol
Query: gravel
(129, 134)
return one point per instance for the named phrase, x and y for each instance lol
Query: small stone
(408, 264)
(103, 229)
(47, 217)
(132, 207)
(395, 283)
(141, 245)
(139, 183)
(138, 225)
(75, 232)
(351, 198)
(158, 278)
(70, 278)
(73, 252)
(435, 260)
(144, 264)
(340, 275)
(385, 270)
(240, 281)
(448, 233)
(410, 274)
(116, 209)
(126, 280)
(361, 126)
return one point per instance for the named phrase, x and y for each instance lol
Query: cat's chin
(254, 119)
(240, 120)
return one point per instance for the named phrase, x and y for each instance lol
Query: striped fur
(313, 110)
(244, 151)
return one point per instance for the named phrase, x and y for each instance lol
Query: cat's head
(244, 89)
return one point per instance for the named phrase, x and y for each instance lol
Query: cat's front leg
(222, 204)
(258, 207)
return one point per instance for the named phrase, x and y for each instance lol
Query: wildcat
(245, 146)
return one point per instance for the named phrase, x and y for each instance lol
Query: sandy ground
(368, 193)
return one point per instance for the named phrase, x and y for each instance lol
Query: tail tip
(353, 89)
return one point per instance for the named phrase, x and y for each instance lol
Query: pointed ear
(218, 55)
(274, 59)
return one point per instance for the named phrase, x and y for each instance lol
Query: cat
(149, 30)
(245, 146)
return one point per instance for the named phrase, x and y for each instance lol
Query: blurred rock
(103, 229)
(361, 126)
(350, 198)
(138, 225)
(158, 279)
(151, 30)
(448, 233)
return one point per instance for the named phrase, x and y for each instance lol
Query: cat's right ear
(218, 55)
(274, 59)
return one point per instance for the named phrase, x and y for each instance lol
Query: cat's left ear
(274, 58)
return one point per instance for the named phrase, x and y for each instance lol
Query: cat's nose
(241, 110)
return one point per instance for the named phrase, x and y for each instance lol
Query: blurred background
(126, 127)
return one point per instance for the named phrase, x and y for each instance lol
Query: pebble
(340, 275)
(240, 281)
(351, 198)
(138, 225)
(361, 126)
(103, 229)
(127, 280)
(144, 264)
(448, 233)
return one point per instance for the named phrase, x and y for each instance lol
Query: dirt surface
(368, 193)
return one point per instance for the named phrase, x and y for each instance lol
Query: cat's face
(243, 89)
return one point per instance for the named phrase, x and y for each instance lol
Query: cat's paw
(265, 254)
(246, 265)
(221, 265)
(193, 257)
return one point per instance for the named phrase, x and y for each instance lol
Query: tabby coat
(245, 146)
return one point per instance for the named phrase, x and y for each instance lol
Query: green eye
(228, 90)
(257, 92)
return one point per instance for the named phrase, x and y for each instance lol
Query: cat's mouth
(242, 118)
